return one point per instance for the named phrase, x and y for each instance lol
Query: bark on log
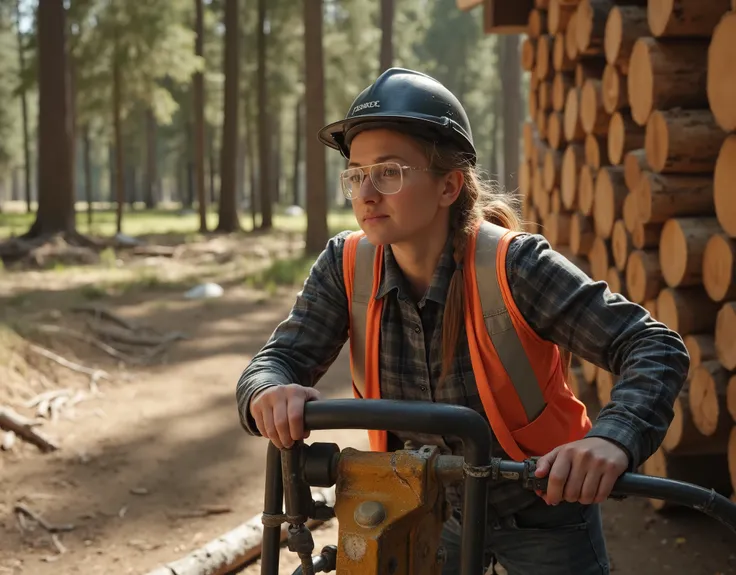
(721, 86)
(552, 169)
(725, 335)
(685, 18)
(645, 235)
(582, 234)
(624, 135)
(235, 549)
(586, 190)
(719, 271)
(559, 15)
(572, 161)
(651, 306)
(665, 75)
(625, 24)
(557, 229)
(620, 245)
(643, 275)
(683, 438)
(708, 470)
(708, 402)
(573, 128)
(634, 162)
(682, 141)
(724, 186)
(615, 282)
(682, 248)
(596, 151)
(600, 258)
(561, 62)
(561, 85)
(528, 54)
(554, 130)
(662, 197)
(536, 23)
(613, 91)
(590, 67)
(687, 310)
(591, 18)
(701, 347)
(593, 117)
(610, 193)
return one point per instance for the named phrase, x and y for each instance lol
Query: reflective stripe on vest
(498, 323)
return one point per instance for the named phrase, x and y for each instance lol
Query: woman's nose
(368, 192)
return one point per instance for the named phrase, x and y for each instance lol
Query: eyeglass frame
(369, 168)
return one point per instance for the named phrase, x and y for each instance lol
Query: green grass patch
(282, 272)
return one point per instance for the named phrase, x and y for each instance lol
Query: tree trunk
(228, 212)
(317, 231)
(276, 157)
(151, 167)
(87, 174)
(117, 121)
(24, 111)
(510, 74)
(264, 134)
(199, 119)
(297, 150)
(213, 165)
(387, 31)
(55, 193)
(251, 163)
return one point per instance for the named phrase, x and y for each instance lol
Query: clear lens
(387, 178)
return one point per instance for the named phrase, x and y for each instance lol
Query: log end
(588, 105)
(640, 83)
(703, 399)
(620, 245)
(610, 87)
(673, 253)
(721, 81)
(616, 138)
(656, 141)
(724, 186)
(612, 35)
(675, 432)
(659, 13)
(718, 266)
(636, 277)
(569, 177)
(528, 52)
(572, 113)
(667, 309)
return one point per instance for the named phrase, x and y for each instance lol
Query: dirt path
(169, 441)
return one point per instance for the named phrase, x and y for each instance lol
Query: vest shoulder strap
(488, 268)
(362, 291)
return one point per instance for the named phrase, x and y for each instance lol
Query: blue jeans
(565, 539)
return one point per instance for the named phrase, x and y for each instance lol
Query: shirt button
(417, 329)
(423, 387)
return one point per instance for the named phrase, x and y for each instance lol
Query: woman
(417, 196)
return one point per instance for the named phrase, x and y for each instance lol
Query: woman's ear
(454, 182)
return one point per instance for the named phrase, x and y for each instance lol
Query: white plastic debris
(205, 291)
(294, 211)
(126, 240)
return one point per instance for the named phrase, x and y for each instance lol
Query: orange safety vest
(519, 375)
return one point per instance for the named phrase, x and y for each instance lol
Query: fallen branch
(58, 330)
(49, 403)
(235, 549)
(103, 313)
(24, 428)
(134, 338)
(22, 510)
(203, 511)
(95, 374)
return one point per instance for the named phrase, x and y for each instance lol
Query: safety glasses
(387, 178)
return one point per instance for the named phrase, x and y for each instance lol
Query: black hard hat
(409, 101)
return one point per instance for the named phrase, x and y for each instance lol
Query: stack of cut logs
(629, 170)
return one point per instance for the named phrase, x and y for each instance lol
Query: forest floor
(152, 461)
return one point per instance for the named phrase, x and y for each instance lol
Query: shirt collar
(393, 278)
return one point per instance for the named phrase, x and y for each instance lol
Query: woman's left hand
(582, 471)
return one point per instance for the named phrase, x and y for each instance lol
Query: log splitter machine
(390, 507)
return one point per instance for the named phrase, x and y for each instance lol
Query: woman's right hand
(279, 412)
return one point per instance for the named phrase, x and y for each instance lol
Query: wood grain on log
(561, 85)
(552, 169)
(610, 192)
(667, 196)
(544, 57)
(646, 235)
(682, 141)
(625, 24)
(687, 310)
(721, 85)
(593, 117)
(586, 190)
(708, 401)
(559, 15)
(573, 128)
(528, 54)
(537, 23)
(631, 211)
(557, 229)
(596, 151)
(554, 130)
(643, 275)
(582, 234)
(544, 95)
(615, 281)
(571, 39)
(719, 271)
(665, 75)
(724, 186)
(620, 245)
(591, 17)
(634, 162)
(685, 18)
(682, 437)
(701, 347)
(572, 161)
(725, 335)
(624, 135)
(600, 258)
(561, 62)
(682, 248)
(613, 90)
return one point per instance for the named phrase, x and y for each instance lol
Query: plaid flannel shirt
(560, 302)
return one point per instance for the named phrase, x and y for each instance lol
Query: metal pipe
(272, 505)
(703, 499)
(440, 419)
